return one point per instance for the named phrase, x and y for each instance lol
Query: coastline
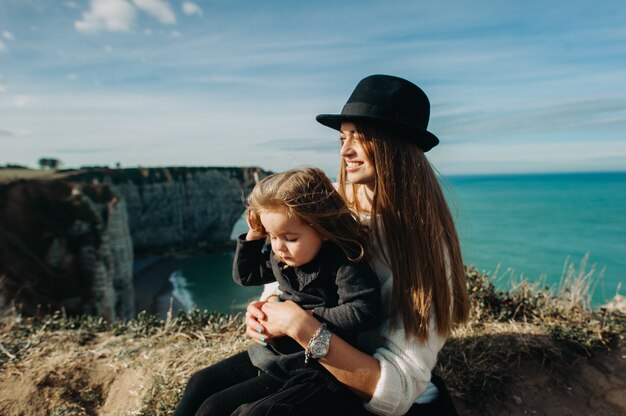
(153, 288)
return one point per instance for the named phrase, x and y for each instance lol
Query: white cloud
(120, 15)
(21, 101)
(71, 77)
(159, 9)
(2, 47)
(110, 15)
(108, 48)
(8, 35)
(71, 5)
(175, 34)
(190, 8)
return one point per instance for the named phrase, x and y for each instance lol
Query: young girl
(317, 258)
(386, 178)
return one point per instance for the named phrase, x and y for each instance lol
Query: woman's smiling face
(359, 167)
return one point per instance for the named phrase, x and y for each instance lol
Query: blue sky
(534, 86)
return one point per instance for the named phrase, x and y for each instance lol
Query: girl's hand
(255, 227)
(283, 318)
(254, 328)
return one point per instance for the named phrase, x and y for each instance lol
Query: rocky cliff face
(69, 241)
(65, 245)
(178, 208)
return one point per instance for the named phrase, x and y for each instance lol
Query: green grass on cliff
(62, 365)
(9, 175)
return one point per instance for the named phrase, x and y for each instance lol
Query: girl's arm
(251, 266)
(359, 307)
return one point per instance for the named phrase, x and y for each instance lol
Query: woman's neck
(365, 196)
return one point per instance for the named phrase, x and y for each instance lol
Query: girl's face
(359, 167)
(293, 241)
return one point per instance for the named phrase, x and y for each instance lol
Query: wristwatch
(318, 344)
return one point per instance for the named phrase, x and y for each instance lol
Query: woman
(386, 178)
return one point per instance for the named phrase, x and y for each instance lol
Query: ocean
(510, 226)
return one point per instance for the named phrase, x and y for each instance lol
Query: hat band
(361, 109)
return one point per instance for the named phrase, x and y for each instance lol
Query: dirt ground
(593, 387)
(60, 378)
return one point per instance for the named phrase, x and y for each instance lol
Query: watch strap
(320, 338)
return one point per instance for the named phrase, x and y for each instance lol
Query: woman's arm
(355, 369)
(390, 380)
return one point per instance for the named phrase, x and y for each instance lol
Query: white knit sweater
(405, 364)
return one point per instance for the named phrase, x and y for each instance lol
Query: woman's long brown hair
(410, 215)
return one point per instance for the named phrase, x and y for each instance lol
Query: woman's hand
(254, 328)
(357, 370)
(284, 318)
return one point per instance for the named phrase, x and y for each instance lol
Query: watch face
(319, 349)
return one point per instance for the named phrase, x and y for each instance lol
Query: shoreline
(153, 288)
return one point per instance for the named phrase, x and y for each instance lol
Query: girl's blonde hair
(413, 219)
(309, 196)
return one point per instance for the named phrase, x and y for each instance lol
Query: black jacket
(343, 294)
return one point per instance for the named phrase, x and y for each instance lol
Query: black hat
(390, 102)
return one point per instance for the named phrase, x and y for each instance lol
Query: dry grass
(553, 327)
(58, 365)
(65, 366)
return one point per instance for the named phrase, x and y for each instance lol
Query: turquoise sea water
(533, 223)
(520, 225)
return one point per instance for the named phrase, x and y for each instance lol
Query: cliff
(65, 245)
(68, 239)
(177, 208)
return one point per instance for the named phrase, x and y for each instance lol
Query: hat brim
(423, 138)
